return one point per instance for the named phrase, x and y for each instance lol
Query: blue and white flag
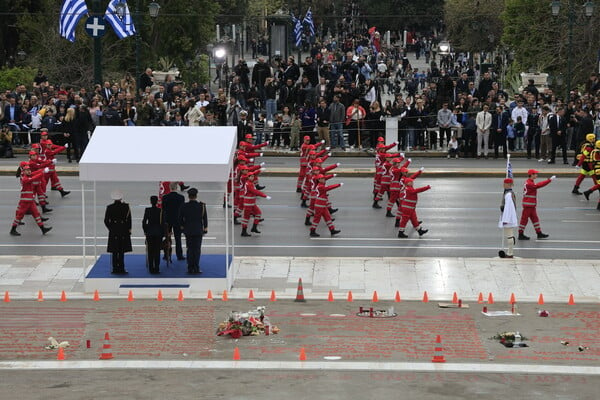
(297, 30)
(123, 26)
(70, 14)
(308, 20)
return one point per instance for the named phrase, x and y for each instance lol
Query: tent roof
(154, 153)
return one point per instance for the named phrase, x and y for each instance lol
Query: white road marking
(568, 241)
(579, 222)
(306, 365)
(372, 239)
(133, 237)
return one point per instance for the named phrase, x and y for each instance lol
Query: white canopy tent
(153, 154)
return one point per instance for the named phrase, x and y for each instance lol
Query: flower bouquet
(510, 339)
(251, 323)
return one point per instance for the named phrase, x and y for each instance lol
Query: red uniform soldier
(316, 171)
(409, 208)
(402, 194)
(249, 193)
(596, 169)
(26, 202)
(48, 152)
(380, 157)
(322, 207)
(585, 161)
(386, 179)
(530, 203)
(39, 184)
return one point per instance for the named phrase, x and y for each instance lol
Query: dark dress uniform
(171, 203)
(118, 221)
(154, 230)
(194, 223)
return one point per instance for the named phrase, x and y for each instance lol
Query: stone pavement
(24, 276)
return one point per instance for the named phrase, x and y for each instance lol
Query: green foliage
(10, 77)
(394, 15)
(196, 71)
(474, 26)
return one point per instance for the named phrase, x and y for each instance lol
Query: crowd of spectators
(341, 92)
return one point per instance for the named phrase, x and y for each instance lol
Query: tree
(422, 15)
(540, 41)
(474, 25)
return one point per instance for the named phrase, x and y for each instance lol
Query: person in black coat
(118, 221)
(194, 223)
(154, 229)
(171, 203)
(557, 124)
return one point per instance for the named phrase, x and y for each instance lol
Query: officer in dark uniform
(171, 203)
(194, 223)
(154, 229)
(118, 221)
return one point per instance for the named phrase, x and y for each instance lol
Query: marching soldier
(585, 161)
(48, 152)
(117, 220)
(508, 219)
(26, 202)
(596, 171)
(380, 157)
(322, 207)
(530, 205)
(249, 194)
(39, 184)
(404, 176)
(409, 208)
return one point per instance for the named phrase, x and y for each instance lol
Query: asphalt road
(460, 213)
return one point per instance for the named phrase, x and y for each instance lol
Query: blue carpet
(212, 266)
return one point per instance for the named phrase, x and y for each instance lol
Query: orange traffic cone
(375, 297)
(425, 297)
(209, 296)
(397, 298)
(250, 295)
(571, 300)
(350, 299)
(512, 299)
(490, 298)
(541, 299)
(438, 356)
(61, 354)
(302, 354)
(480, 298)
(130, 296)
(225, 297)
(96, 296)
(273, 298)
(159, 296)
(236, 354)
(63, 296)
(330, 296)
(6, 297)
(40, 296)
(106, 350)
(454, 298)
(300, 292)
(180, 296)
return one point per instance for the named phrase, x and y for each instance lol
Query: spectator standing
(337, 113)
(323, 121)
(545, 138)
(444, 122)
(557, 124)
(483, 121)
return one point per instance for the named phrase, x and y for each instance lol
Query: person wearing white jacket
(483, 121)
(508, 220)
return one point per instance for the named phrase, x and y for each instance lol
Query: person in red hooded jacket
(322, 207)
(409, 208)
(39, 184)
(249, 194)
(26, 202)
(49, 152)
(530, 205)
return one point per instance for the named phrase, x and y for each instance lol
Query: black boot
(422, 231)
(303, 204)
(376, 204)
(183, 187)
(522, 236)
(255, 229)
(598, 206)
(235, 221)
(307, 221)
(542, 235)
(332, 210)
(313, 233)
(576, 190)
(334, 231)
(298, 190)
(45, 229)
(63, 192)
(401, 234)
(245, 233)
(46, 209)
(587, 194)
(13, 231)
(259, 187)
(397, 224)
(44, 219)
(389, 214)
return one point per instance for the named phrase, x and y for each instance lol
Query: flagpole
(507, 163)
(97, 11)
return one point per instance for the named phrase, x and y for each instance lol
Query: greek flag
(70, 14)
(123, 26)
(509, 173)
(297, 30)
(308, 20)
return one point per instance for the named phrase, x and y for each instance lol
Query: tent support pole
(95, 226)
(83, 224)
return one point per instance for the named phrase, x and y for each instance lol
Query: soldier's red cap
(532, 171)
(24, 165)
(508, 180)
(403, 169)
(318, 160)
(397, 160)
(312, 153)
(320, 176)
(249, 136)
(244, 167)
(242, 143)
(380, 139)
(44, 132)
(33, 152)
(408, 180)
(242, 158)
(316, 169)
(306, 137)
(35, 146)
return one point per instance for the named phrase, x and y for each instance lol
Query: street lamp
(153, 9)
(220, 56)
(588, 8)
